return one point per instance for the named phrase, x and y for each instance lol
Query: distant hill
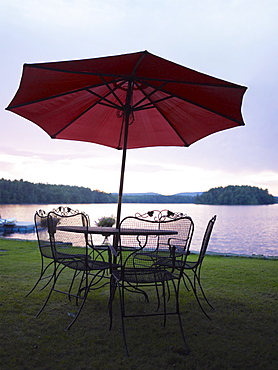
(191, 194)
(138, 194)
(156, 198)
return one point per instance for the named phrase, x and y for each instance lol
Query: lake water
(249, 230)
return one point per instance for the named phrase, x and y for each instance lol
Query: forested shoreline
(25, 192)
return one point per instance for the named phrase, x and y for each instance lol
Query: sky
(234, 40)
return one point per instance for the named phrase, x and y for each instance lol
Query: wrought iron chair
(163, 247)
(141, 275)
(193, 266)
(75, 252)
(47, 260)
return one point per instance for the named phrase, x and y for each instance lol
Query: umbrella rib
(108, 103)
(42, 99)
(50, 97)
(146, 97)
(185, 143)
(138, 78)
(182, 139)
(142, 56)
(72, 121)
(194, 103)
(81, 114)
(64, 94)
(113, 90)
(150, 105)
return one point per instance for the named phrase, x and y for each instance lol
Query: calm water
(238, 229)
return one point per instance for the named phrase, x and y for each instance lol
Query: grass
(241, 335)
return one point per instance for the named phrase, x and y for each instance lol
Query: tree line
(24, 192)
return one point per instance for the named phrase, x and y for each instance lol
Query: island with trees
(24, 192)
(235, 195)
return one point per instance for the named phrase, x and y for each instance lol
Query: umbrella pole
(120, 195)
(126, 116)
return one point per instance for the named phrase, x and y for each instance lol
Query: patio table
(108, 231)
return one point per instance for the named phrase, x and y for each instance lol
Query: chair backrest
(162, 220)
(168, 220)
(135, 241)
(184, 226)
(206, 239)
(64, 241)
(40, 219)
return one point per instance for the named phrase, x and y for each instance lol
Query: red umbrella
(126, 101)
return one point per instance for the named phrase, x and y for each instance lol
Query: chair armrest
(179, 249)
(113, 250)
(174, 245)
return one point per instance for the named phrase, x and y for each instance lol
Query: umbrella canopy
(126, 101)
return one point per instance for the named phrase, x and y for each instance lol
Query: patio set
(126, 101)
(147, 257)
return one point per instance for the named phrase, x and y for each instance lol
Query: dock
(18, 227)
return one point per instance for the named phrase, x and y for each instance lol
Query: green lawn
(241, 335)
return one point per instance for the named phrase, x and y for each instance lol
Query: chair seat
(178, 264)
(147, 255)
(61, 255)
(143, 275)
(168, 262)
(80, 264)
(190, 265)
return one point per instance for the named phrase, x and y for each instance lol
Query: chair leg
(164, 304)
(158, 298)
(139, 291)
(176, 289)
(55, 278)
(78, 295)
(122, 308)
(42, 277)
(122, 288)
(113, 288)
(183, 335)
(196, 295)
(184, 282)
(76, 273)
(86, 291)
(197, 277)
